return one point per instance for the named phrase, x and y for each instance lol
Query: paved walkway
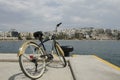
(81, 67)
(88, 67)
(7, 57)
(10, 70)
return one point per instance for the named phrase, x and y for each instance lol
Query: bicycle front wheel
(32, 65)
(61, 61)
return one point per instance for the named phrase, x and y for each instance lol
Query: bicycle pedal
(43, 56)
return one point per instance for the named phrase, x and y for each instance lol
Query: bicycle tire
(60, 54)
(27, 59)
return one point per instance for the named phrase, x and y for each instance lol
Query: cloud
(33, 14)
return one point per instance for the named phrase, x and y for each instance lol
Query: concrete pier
(89, 67)
(80, 67)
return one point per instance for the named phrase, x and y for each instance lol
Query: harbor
(85, 33)
(80, 67)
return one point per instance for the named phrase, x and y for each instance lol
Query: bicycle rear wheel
(59, 60)
(31, 64)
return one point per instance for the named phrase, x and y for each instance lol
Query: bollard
(67, 49)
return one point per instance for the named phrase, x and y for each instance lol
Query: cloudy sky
(33, 15)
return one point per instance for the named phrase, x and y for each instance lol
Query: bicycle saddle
(38, 35)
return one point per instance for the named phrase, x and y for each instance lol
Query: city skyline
(67, 34)
(34, 15)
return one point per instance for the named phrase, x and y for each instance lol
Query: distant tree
(108, 32)
(76, 35)
(115, 34)
(19, 36)
(100, 31)
(29, 36)
(62, 36)
(118, 36)
(79, 35)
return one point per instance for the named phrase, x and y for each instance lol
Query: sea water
(106, 49)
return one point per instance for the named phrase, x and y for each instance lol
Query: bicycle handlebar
(58, 24)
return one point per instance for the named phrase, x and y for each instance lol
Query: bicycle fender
(21, 49)
(60, 49)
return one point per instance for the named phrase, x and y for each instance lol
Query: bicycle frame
(53, 38)
(46, 40)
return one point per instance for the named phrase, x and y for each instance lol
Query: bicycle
(33, 57)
